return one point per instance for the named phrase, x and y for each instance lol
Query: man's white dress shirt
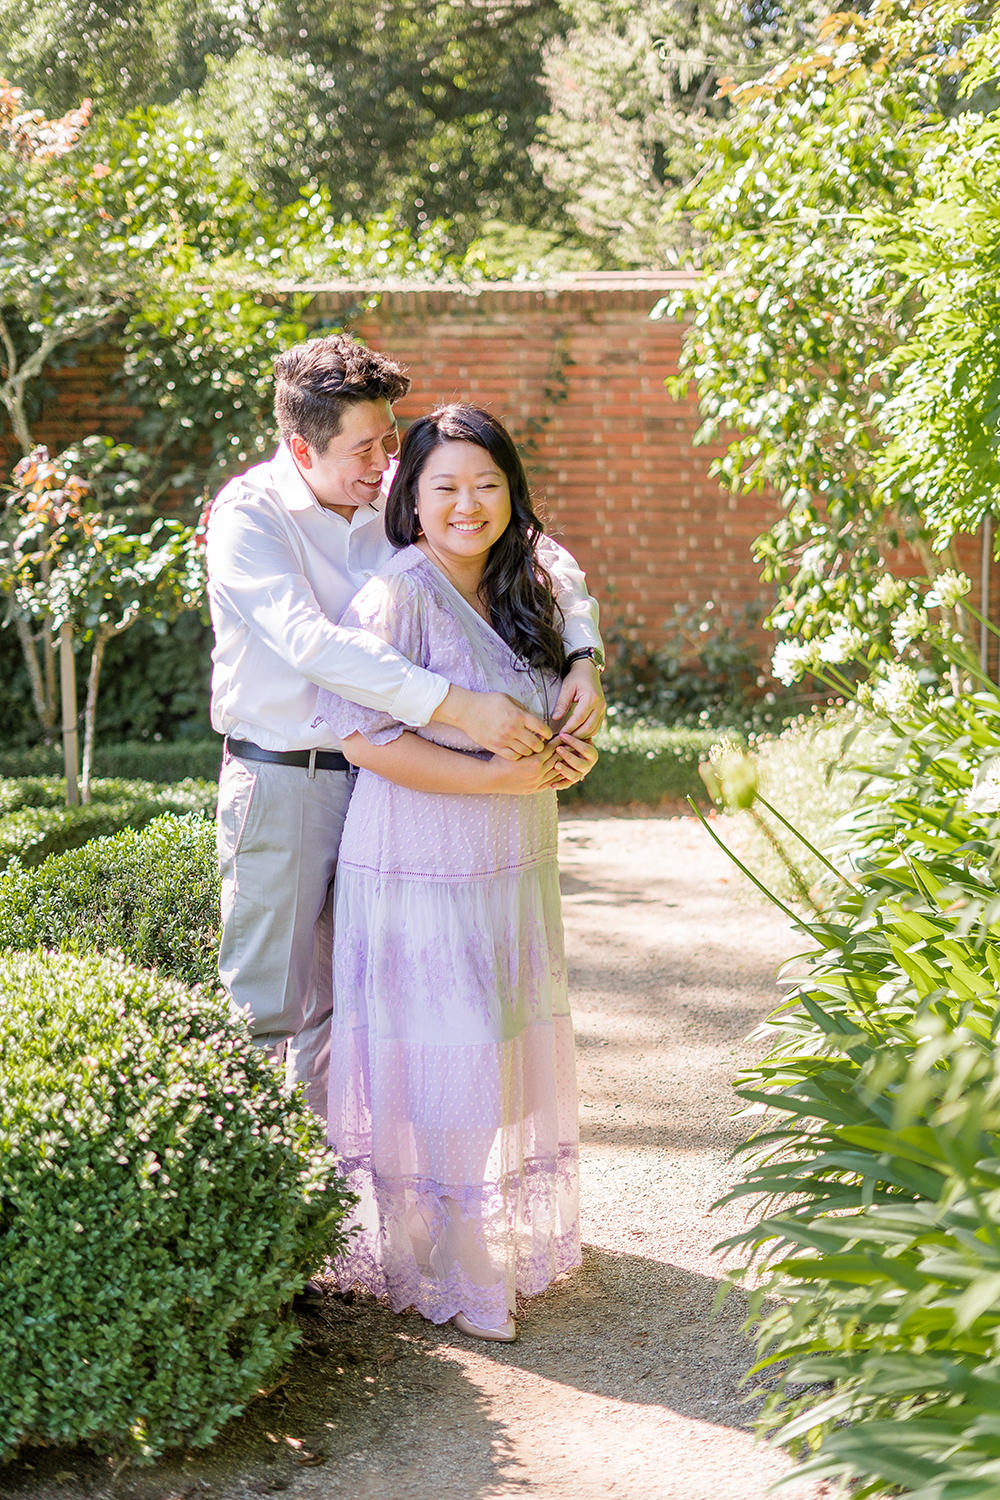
(282, 569)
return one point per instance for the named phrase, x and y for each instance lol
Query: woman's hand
(530, 774)
(575, 758)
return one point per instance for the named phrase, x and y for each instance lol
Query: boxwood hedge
(35, 821)
(161, 1199)
(151, 894)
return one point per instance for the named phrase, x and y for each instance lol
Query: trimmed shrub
(151, 893)
(162, 1197)
(642, 763)
(35, 821)
(141, 760)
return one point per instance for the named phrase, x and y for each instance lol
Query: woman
(452, 1083)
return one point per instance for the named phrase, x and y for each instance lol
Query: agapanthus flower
(889, 591)
(909, 626)
(791, 660)
(896, 690)
(843, 643)
(947, 589)
(984, 795)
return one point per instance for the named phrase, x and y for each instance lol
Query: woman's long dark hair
(515, 587)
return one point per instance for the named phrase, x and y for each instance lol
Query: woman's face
(463, 502)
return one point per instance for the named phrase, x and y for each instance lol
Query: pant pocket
(237, 785)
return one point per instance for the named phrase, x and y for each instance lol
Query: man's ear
(300, 451)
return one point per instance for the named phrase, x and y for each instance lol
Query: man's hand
(582, 698)
(494, 721)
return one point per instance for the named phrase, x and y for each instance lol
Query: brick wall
(577, 372)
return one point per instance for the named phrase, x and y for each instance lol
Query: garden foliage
(151, 760)
(161, 1199)
(73, 573)
(151, 894)
(35, 821)
(642, 763)
(877, 1167)
(846, 319)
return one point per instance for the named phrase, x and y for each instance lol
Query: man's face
(349, 473)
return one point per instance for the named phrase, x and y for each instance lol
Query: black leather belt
(320, 760)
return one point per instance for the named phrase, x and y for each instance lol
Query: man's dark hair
(515, 587)
(316, 381)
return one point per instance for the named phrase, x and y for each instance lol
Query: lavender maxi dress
(452, 1079)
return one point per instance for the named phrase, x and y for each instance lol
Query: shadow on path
(621, 1327)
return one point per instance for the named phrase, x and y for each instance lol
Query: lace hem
(444, 1249)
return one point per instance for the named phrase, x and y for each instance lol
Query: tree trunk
(39, 675)
(67, 682)
(12, 391)
(90, 712)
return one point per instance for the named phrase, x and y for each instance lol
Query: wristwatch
(592, 653)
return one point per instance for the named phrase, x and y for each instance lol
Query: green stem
(970, 609)
(791, 915)
(802, 839)
(797, 877)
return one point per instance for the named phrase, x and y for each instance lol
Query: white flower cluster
(947, 589)
(843, 643)
(791, 660)
(909, 626)
(984, 795)
(896, 690)
(889, 591)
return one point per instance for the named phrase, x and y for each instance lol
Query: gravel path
(622, 1383)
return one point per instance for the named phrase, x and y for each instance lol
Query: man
(289, 544)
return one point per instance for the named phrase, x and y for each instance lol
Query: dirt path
(621, 1383)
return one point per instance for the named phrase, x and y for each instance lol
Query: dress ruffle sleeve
(391, 609)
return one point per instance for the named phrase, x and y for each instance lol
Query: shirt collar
(296, 494)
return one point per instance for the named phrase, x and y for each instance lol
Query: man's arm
(581, 698)
(255, 580)
(580, 706)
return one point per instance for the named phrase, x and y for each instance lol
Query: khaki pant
(278, 833)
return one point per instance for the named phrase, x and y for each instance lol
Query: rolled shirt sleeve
(580, 611)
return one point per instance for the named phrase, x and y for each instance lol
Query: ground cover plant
(161, 1199)
(876, 1170)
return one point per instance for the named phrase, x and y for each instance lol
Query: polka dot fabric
(452, 1079)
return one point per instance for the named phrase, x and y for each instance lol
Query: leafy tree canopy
(635, 93)
(424, 110)
(139, 223)
(847, 321)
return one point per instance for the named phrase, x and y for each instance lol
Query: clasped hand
(560, 762)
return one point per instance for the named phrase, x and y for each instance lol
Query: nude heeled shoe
(505, 1334)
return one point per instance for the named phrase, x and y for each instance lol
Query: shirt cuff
(421, 693)
(580, 630)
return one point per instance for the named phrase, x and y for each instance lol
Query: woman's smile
(463, 506)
